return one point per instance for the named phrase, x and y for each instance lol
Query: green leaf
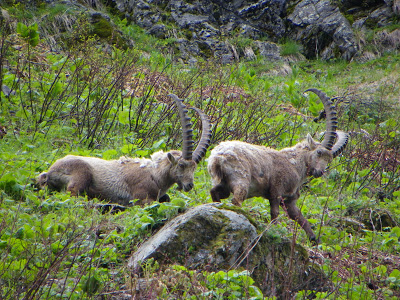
(381, 270)
(363, 172)
(56, 247)
(395, 273)
(142, 153)
(315, 107)
(22, 29)
(110, 154)
(29, 33)
(178, 202)
(3, 244)
(364, 269)
(391, 123)
(34, 41)
(61, 62)
(337, 247)
(18, 246)
(18, 265)
(19, 234)
(159, 144)
(28, 231)
(147, 219)
(123, 117)
(396, 231)
(127, 149)
(56, 89)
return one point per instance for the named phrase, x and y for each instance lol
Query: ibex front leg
(220, 191)
(296, 215)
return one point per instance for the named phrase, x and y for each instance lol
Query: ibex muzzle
(248, 170)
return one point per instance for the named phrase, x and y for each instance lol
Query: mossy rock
(372, 218)
(105, 30)
(218, 237)
(377, 219)
(101, 26)
(205, 233)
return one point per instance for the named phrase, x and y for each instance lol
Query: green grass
(290, 48)
(84, 104)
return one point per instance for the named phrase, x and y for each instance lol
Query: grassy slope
(54, 236)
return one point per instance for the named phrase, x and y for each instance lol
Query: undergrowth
(107, 104)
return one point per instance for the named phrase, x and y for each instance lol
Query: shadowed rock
(322, 29)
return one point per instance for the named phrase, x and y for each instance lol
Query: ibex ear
(313, 144)
(171, 158)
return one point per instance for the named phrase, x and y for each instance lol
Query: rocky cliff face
(325, 28)
(322, 29)
(234, 29)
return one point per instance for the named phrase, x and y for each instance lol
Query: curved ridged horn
(187, 135)
(205, 138)
(341, 142)
(331, 119)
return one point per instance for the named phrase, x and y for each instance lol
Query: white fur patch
(236, 148)
(123, 160)
(144, 162)
(157, 158)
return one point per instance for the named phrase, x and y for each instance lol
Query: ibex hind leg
(274, 205)
(239, 194)
(220, 191)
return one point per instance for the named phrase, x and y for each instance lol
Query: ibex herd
(246, 170)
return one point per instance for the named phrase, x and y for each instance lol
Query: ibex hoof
(164, 198)
(237, 203)
(314, 240)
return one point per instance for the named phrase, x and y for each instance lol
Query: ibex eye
(181, 165)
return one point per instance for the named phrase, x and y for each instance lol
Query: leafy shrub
(110, 103)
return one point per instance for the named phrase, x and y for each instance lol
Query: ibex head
(333, 142)
(319, 157)
(184, 163)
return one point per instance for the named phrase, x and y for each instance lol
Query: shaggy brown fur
(248, 171)
(120, 181)
(126, 179)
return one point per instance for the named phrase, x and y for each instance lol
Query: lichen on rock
(215, 237)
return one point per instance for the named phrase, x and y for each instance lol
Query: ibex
(120, 181)
(248, 170)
